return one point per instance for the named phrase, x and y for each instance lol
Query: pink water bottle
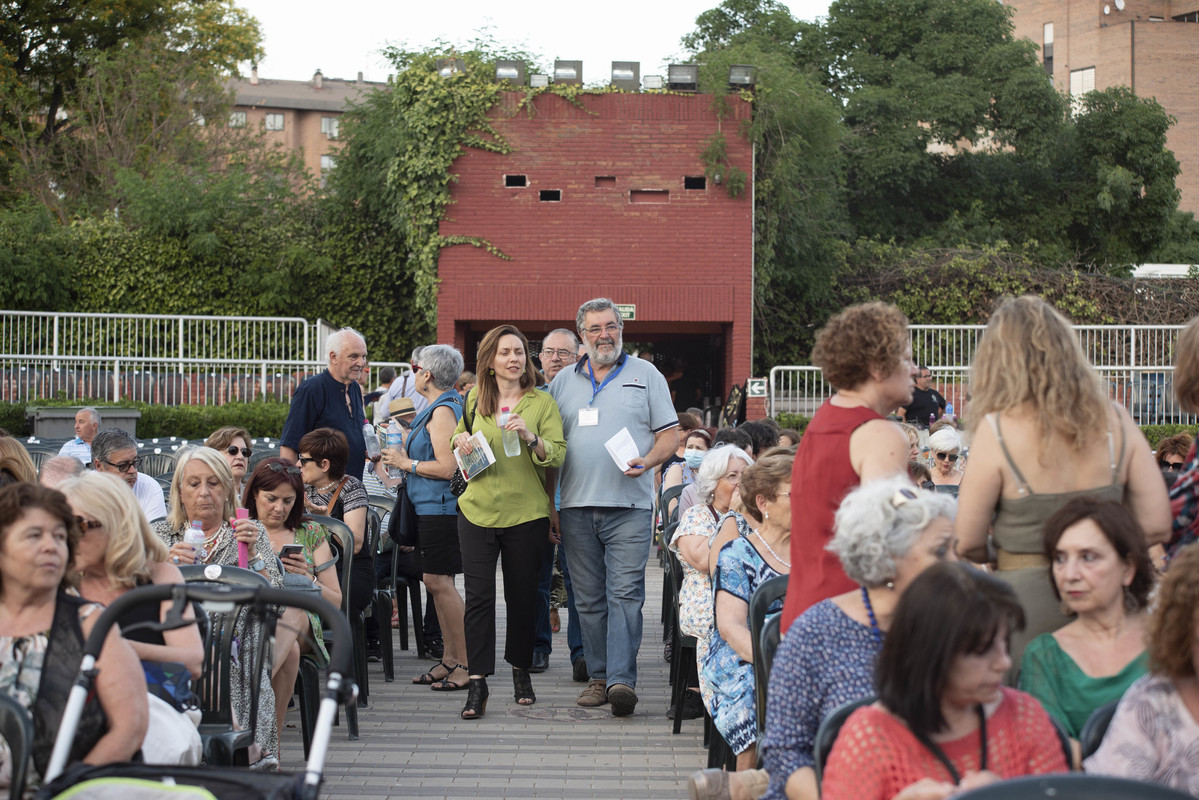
(243, 549)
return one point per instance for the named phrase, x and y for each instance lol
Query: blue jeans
(607, 550)
(544, 639)
(574, 631)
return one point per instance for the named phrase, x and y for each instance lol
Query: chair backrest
(212, 685)
(1095, 728)
(157, 464)
(768, 593)
(669, 496)
(1063, 738)
(341, 542)
(830, 726)
(16, 726)
(765, 645)
(1073, 786)
(383, 505)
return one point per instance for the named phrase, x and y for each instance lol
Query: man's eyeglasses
(275, 466)
(86, 525)
(950, 457)
(924, 375)
(124, 465)
(233, 450)
(565, 355)
(610, 329)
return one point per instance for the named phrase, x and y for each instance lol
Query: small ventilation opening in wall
(695, 182)
(649, 196)
(516, 180)
(605, 181)
(551, 195)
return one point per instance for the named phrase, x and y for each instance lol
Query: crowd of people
(963, 594)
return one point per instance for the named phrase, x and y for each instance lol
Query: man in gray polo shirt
(607, 512)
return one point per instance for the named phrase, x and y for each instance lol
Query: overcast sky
(344, 38)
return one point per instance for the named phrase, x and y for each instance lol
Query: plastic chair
(1073, 786)
(765, 646)
(1095, 728)
(770, 592)
(681, 647)
(405, 592)
(223, 745)
(342, 544)
(16, 726)
(383, 596)
(830, 726)
(158, 465)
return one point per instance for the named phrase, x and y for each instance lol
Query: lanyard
(944, 759)
(597, 389)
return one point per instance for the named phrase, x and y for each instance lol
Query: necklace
(779, 558)
(874, 629)
(326, 487)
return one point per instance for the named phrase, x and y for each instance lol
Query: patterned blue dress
(739, 570)
(825, 660)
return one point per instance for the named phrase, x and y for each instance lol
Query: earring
(491, 372)
(890, 585)
(765, 515)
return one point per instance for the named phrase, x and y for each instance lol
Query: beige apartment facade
(1151, 46)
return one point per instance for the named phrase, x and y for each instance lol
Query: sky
(345, 38)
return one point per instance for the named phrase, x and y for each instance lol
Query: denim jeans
(607, 550)
(574, 631)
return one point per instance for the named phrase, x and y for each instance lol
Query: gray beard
(604, 361)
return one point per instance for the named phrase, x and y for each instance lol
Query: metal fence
(1136, 363)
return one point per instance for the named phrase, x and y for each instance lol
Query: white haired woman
(716, 482)
(886, 533)
(946, 448)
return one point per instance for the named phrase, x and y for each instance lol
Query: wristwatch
(533, 444)
(258, 565)
(413, 469)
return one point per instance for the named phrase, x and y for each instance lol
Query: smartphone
(291, 550)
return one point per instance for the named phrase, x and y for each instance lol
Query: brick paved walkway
(413, 743)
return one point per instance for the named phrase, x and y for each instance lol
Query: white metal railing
(170, 381)
(155, 336)
(1136, 362)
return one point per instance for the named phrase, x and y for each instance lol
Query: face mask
(694, 457)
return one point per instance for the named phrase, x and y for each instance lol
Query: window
(1047, 47)
(695, 182)
(329, 126)
(649, 196)
(605, 181)
(516, 181)
(328, 164)
(237, 119)
(550, 195)
(1081, 82)
(274, 122)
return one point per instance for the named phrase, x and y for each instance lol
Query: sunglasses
(950, 457)
(86, 525)
(1172, 466)
(234, 450)
(275, 466)
(305, 460)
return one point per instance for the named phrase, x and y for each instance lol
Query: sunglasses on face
(124, 466)
(1172, 465)
(233, 450)
(305, 460)
(86, 525)
(950, 457)
(277, 467)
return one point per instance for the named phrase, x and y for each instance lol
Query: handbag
(170, 682)
(401, 527)
(458, 480)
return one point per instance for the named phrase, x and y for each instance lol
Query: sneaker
(623, 699)
(374, 651)
(693, 706)
(596, 694)
(435, 650)
(579, 670)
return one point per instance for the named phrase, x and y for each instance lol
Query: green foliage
(796, 422)
(36, 259)
(1155, 433)
(719, 169)
(264, 418)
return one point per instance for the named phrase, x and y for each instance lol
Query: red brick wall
(686, 263)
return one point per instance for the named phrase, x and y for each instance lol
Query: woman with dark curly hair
(865, 354)
(1153, 733)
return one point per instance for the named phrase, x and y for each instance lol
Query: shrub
(188, 422)
(796, 422)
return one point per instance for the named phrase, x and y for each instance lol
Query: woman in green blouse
(505, 511)
(1100, 570)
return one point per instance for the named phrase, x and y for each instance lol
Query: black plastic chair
(766, 595)
(383, 596)
(682, 647)
(16, 726)
(766, 644)
(830, 726)
(157, 465)
(342, 544)
(405, 592)
(223, 744)
(1074, 786)
(1095, 728)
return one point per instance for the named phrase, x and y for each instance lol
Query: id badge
(588, 416)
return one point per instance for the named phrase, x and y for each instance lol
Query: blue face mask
(694, 457)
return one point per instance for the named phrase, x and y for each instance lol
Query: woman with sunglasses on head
(1045, 432)
(274, 497)
(234, 444)
(946, 448)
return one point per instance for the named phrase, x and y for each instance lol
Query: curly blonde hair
(1169, 636)
(859, 340)
(1030, 354)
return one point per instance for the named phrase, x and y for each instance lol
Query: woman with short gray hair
(886, 533)
(945, 448)
(428, 459)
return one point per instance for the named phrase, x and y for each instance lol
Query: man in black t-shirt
(925, 401)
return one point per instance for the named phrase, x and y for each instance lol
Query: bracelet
(413, 468)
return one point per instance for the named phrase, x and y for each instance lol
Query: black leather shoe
(541, 662)
(579, 670)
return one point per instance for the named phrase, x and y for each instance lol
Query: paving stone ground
(413, 743)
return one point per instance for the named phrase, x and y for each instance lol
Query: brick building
(608, 199)
(300, 115)
(1148, 45)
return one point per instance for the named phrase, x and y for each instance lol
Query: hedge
(188, 422)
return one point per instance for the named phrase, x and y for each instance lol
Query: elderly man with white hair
(87, 425)
(332, 399)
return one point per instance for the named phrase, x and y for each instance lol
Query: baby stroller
(133, 781)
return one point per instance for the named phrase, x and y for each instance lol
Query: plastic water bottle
(195, 537)
(372, 442)
(949, 411)
(511, 438)
(395, 441)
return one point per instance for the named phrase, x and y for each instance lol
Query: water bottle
(932, 418)
(195, 537)
(949, 411)
(372, 442)
(395, 441)
(511, 438)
